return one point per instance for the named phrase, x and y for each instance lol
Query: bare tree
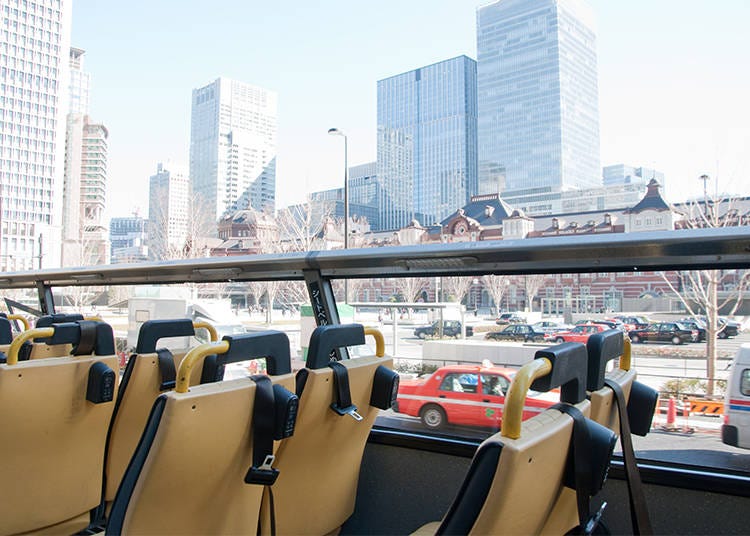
(456, 288)
(186, 236)
(531, 286)
(497, 286)
(699, 290)
(410, 288)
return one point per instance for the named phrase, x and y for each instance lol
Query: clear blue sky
(674, 83)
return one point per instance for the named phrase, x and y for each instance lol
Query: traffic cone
(671, 412)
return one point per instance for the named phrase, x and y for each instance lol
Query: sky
(674, 82)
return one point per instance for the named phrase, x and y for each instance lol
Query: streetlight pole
(336, 132)
(705, 178)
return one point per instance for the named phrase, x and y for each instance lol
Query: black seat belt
(343, 404)
(87, 339)
(638, 507)
(579, 446)
(262, 472)
(166, 369)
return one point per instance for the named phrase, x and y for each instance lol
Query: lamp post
(336, 132)
(705, 178)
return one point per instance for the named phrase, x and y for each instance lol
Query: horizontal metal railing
(725, 248)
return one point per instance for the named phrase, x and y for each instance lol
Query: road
(656, 363)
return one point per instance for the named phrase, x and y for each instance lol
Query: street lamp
(336, 132)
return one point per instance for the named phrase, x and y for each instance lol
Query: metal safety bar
(692, 249)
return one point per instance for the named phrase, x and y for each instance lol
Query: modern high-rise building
(625, 174)
(537, 96)
(128, 237)
(33, 103)
(168, 211)
(85, 234)
(427, 142)
(364, 194)
(233, 146)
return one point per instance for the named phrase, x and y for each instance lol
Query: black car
(517, 332)
(451, 328)
(509, 318)
(728, 328)
(673, 332)
(696, 326)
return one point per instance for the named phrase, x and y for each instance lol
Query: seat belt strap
(264, 412)
(87, 339)
(638, 506)
(343, 404)
(579, 446)
(167, 372)
(264, 416)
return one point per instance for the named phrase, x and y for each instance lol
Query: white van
(736, 428)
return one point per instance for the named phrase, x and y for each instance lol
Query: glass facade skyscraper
(427, 142)
(537, 96)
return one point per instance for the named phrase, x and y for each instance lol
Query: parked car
(547, 326)
(469, 395)
(579, 333)
(695, 325)
(609, 323)
(451, 328)
(517, 332)
(633, 322)
(727, 328)
(673, 332)
(509, 318)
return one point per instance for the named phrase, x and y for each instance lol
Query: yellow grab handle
(516, 397)
(627, 352)
(208, 327)
(379, 341)
(15, 346)
(194, 356)
(94, 318)
(21, 319)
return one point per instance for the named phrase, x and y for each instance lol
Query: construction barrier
(706, 407)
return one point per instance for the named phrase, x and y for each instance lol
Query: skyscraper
(33, 103)
(233, 146)
(168, 211)
(85, 234)
(427, 142)
(537, 96)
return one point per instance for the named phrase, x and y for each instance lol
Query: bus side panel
(736, 429)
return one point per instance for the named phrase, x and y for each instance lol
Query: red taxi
(465, 394)
(580, 333)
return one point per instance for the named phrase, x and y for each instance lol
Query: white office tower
(34, 47)
(85, 229)
(233, 146)
(168, 212)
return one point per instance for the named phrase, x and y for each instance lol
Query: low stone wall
(498, 353)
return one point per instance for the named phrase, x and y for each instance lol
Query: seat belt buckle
(264, 474)
(594, 519)
(349, 410)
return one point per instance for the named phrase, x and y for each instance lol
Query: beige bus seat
(6, 335)
(17, 318)
(149, 372)
(54, 423)
(187, 475)
(517, 475)
(320, 464)
(39, 350)
(635, 418)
